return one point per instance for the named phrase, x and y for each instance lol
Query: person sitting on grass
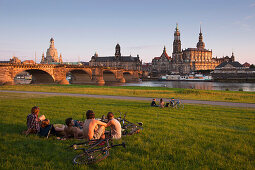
(91, 129)
(172, 102)
(33, 121)
(114, 125)
(71, 131)
(161, 103)
(153, 103)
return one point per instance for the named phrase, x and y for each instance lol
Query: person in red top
(33, 125)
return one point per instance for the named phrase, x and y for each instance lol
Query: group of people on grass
(162, 103)
(89, 129)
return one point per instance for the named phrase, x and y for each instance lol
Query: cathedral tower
(177, 51)
(200, 44)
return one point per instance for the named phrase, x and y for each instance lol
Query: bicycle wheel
(93, 156)
(180, 106)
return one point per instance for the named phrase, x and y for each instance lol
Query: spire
(43, 58)
(200, 44)
(177, 40)
(60, 58)
(164, 54)
(96, 54)
(232, 57)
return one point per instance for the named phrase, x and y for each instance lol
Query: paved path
(136, 98)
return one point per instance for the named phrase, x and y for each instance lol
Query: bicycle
(176, 103)
(129, 128)
(93, 151)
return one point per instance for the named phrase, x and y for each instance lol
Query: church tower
(200, 44)
(177, 51)
(52, 54)
(117, 51)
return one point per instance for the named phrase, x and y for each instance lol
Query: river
(195, 85)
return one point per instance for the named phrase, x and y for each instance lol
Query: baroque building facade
(51, 55)
(184, 61)
(117, 61)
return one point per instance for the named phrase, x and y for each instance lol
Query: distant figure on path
(153, 103)
(92, 128)
(161, 103)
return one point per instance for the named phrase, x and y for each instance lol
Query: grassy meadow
(197, 137)
(153, 92)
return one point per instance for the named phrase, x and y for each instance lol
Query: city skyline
(142, 27)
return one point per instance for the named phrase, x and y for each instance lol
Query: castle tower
(200, 44)
(117, 51)
(177, 51)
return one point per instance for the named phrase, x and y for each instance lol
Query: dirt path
(248, 105)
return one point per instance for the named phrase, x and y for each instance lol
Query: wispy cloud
(249, 17)
(142, 47)
(253, 4)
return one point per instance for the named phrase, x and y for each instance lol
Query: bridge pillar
(135, 76)
(120, 77)
(122, 80)
(97, 74)
(6, 75)
(60, 75)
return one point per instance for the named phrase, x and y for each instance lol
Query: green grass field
(198, 137)
(152, 92)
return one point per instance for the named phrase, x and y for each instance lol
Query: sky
(82, 27)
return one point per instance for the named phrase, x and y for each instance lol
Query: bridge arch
(38, 76)
(79, 76)
(128, 76)
(109, 76)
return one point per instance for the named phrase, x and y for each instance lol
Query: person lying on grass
(71, 131)
(33, 121)
(92, 128)
(114, 125)
(47, 129)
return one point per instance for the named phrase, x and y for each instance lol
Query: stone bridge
(50, 73)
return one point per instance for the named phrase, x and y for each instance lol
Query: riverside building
(117, 61)
(184, 61)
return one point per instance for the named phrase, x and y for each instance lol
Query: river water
(196, 85)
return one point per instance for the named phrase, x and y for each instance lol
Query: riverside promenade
(247, 105)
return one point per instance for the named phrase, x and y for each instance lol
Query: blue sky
(81, 27)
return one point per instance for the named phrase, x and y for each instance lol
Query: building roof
(113, 58)
(196, 49)
(234, 64)
(164, 54)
